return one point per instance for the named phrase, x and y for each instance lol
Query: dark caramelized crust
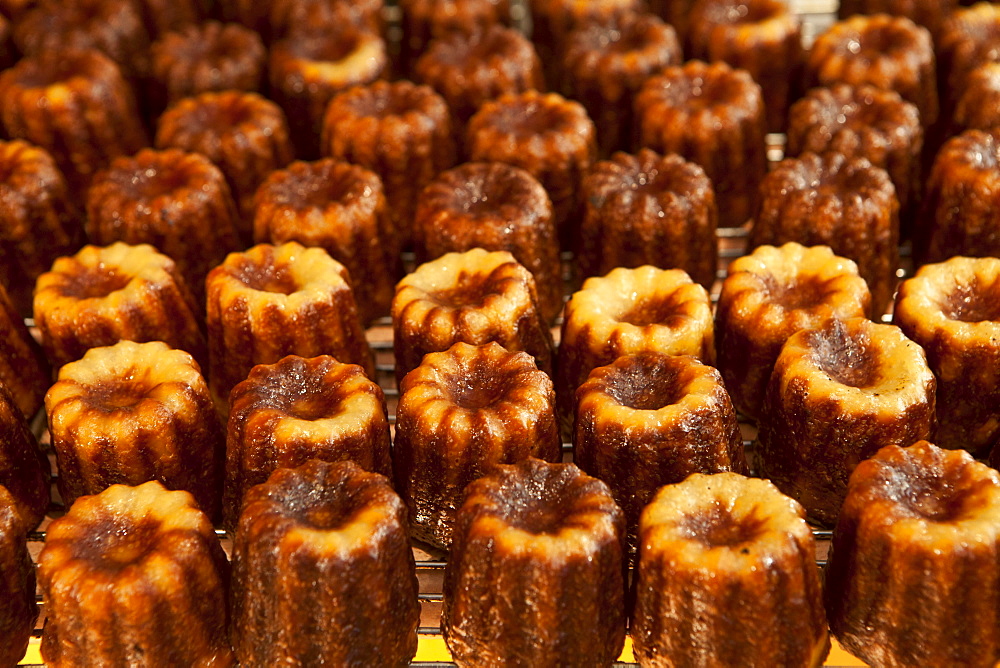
(978, 106)
(23, 367)
(553, 20)
(323, 572)
(496, 207)
(913, 576)
(674, 12)
(426, 20)
(712, 115)
(290, 18)
(648, 209)
(846, 204)
(134, 573)
(475, 297)
(838, 393)
(929, 13)
(768, 296)
(649, 420)
(133, 412)
(342, 209)
(24, 470)
(969, 38)
(162, 16)
(534, 577)
(103, 295)
(17, 583)
(299, 409)
(178, 202)
(953, 311)
(461, 412)
(727, 577)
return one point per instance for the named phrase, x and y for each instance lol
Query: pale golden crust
(23, 367)
(17, 584)
(24, 470)
(968, 39)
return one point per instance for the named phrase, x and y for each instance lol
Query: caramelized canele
(535, 574)
(131, 575)
(727, 576)
(23, 367)
(24, 470)
(969, 38)
(277, 19)
(461, 412)
(978, 105)
(426, 20)
(929, 13)
(17, 583)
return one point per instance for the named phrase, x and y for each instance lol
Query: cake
(162, 16)
(461, 412)
(769, 295)
(675, 12)
(831, 200)
(133, 412)
(102, 295)
(839, 393)
(288, 18)
(928, 13)
(272, 301)
(17, 583)
(535, 575)
(178, 202)
(648, 420)
(130, 574)
(496, 207)
(323, 572)
(727, 576)
(952, 310)
(24, 470)
(968, 39)
(23, 367)
(976, 108)
(762, 37)
(712, 115)
(298, 409)
(912, 578)
(475, 297)
(648, 208)
(425, 20)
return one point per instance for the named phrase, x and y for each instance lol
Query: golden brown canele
(461, 412)
(496, 207)
(978, 106)
(323, 572)
(649, 420)
(763, 37)
(341, 208)
(162, 16)
(890, 52)
(133, 412)
(952, 310)
(475, 297)
(299, 409)
(931, 14)
(23, 367)
(39, 218)
(727, 576)
(912, 578)
(846, 204)
(401, 131)
(17, 584)
(426, 20)
(178, 202)
(768, 296)
(712, 115)
(535, 575)
(74, 104)
(102, 295)
(278, 19)
(838, 393)
(969, 38)
(24, 470)
(606, 65)
(648, 208)
(674, 12)
(134, 573)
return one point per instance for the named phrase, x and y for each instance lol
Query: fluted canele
(278, 19)
(931, 14)
(161, 16)
(133, 575)
(977, 105)
(968, 39)
(23, 367)
(24, 470)
(17, 583)
(426, 20)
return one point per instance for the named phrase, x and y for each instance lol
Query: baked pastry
(461, 412)
(134, 573)
(763, 37)
(648, 209)
(890, 52)
(400, 131)
(133, 412)
(475, 297)
(298, 409)
(24, 470)
(912, 576)
(969, 38)
(675, 12)
(245, 135)
(162, 16)
(929, 13)
(342, 209)
(952, 310)
(277, 19)
(103, 295)
(535, 575)
(426, 20)
(23, 367)
(604, 67)
(329, 542)
(830, 200)
(977, 106)
(713, 115)
(727, 576)
(496, 207)
(17, 584)
(272, 301)
(39, 218)
(768, 296)
(178, 202)
(838, 393)
(650, 419)
(90, 114)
